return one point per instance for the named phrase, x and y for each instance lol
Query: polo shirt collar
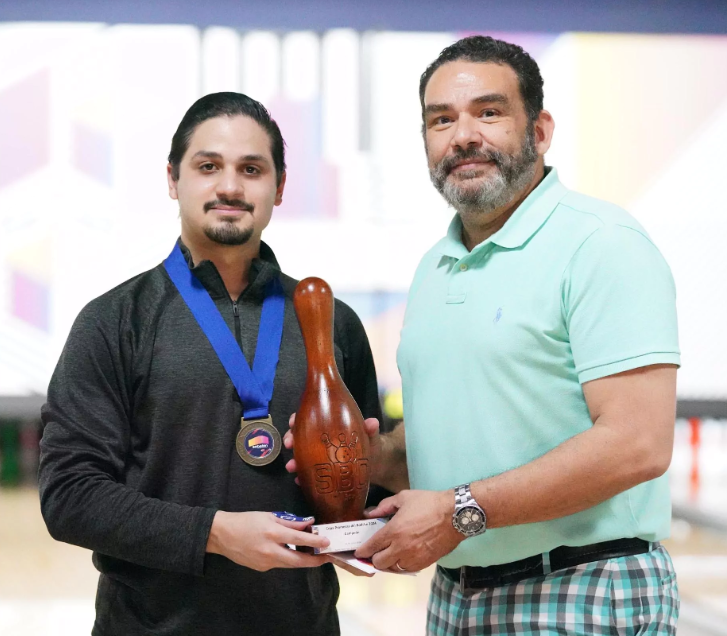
(529, 217)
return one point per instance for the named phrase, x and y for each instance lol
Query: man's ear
(171, 183)
(544, 127)
(279, 191)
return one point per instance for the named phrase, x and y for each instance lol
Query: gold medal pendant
(258, 442)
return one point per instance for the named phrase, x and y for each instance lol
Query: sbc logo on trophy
(347, 471)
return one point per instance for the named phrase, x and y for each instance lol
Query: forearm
(578, 474)
(390, 470)
(89, 509)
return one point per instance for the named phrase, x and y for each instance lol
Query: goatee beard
(228, 234)
(513, 174)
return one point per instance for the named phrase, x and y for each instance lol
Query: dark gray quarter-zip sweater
(138, 453)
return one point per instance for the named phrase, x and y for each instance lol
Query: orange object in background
(695, 425)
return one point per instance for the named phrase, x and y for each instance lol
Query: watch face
(470, 521)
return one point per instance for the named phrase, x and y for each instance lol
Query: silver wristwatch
(468, 517)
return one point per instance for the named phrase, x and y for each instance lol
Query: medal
(258, 442)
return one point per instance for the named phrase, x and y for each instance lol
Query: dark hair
(226, 105)
(480, 48)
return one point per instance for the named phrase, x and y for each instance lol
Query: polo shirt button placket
(457, 291)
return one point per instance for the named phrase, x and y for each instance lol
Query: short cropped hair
(480, 48)
(228, 105)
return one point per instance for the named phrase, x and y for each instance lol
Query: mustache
(448, 164)
(230, 203)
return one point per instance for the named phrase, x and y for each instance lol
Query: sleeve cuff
(202, 532)
(635, 362)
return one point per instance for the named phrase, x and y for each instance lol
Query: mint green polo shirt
(497, 342)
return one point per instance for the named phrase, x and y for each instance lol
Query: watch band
(463, 497)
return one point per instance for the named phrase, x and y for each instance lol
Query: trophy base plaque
(347, 536)
(365, 565)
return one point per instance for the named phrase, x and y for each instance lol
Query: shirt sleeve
(619, 304)
(84, 447)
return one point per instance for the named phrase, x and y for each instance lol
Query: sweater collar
(262, 270)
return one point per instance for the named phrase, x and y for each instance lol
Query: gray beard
(228, 234)
(514, 173)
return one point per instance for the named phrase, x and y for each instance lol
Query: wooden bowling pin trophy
(331, 445)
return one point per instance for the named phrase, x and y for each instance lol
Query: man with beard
(161, 448)
(538, 358)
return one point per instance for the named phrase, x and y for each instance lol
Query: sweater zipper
(236, 313)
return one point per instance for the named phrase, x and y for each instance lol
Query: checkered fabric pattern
(626, 596)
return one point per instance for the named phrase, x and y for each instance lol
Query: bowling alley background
(88, 109)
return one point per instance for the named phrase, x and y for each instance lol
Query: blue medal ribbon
(255, 387)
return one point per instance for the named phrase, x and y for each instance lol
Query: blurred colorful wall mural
(87, 112)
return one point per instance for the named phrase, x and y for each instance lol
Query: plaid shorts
(624, 596)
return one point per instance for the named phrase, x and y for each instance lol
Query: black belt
(473, 578)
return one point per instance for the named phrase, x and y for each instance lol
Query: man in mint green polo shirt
(538, 359)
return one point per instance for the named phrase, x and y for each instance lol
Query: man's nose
(467, 133)
(230, 184)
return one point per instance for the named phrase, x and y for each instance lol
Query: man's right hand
(258, 541)
(371, 425)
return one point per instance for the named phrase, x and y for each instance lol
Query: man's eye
(442, 120)
(488, 112)
(207, 167)
(251, 170)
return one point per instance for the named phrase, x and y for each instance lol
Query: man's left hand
(419, 534)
